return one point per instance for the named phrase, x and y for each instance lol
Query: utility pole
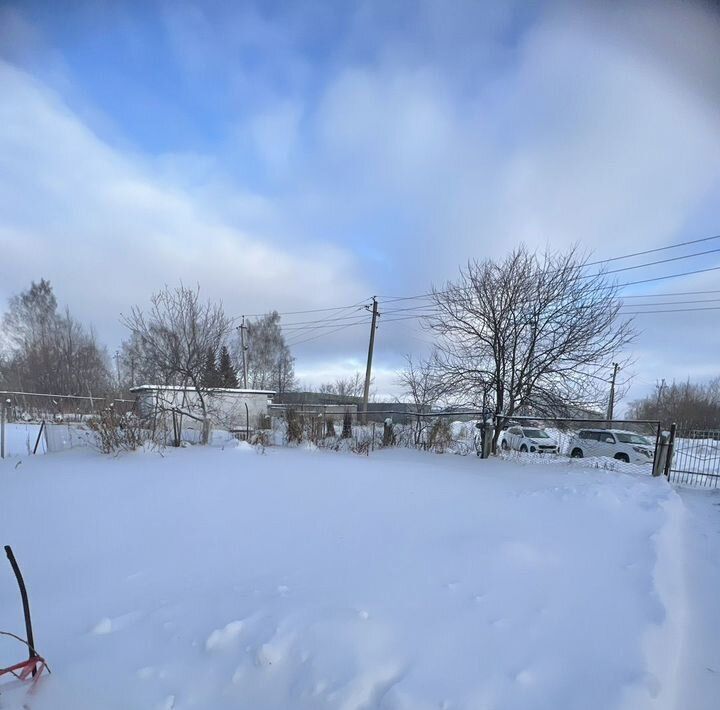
(368, 371)
(243, 348)
(611, 402)
(117, 365)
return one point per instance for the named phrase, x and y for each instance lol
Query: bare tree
(350, 386)
(47, 351)
(175, 336)
(137, 366)
(534, 334)
(420, 384)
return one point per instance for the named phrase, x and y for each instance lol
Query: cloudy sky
(303, 155)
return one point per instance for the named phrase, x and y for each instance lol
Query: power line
(618, 286)
(431, 294)
(653, 263)
(311, 310)
(672, 310)
(675, 293)
(299, 331)
(344, 319)
(675, 303)
(669, 276)
(652, 251)
(306, 325)
(322, 335)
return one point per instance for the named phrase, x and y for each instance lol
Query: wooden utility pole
(117, 366)
(243, 348)
(611, 402)
(368, 371)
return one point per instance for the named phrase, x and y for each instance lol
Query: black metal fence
(694, 458)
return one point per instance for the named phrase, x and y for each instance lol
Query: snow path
(209, 579)
(700, 667)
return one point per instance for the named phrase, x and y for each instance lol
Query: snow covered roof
(231, 390)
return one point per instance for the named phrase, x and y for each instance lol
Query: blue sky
(299, 155)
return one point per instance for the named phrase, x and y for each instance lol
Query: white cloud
(108, 231)
(410, 138)
(578, 140)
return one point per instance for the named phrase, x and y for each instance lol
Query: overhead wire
(338, 318)
(652, 251)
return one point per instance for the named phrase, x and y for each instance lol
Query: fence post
(670, 448)
(2, 429)
(488, 436)
(388, 433)
(37, 441)
(661, 451)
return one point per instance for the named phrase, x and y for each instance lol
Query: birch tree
(175, 335)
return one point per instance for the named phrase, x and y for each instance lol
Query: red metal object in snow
(32, 666)
(35, 664)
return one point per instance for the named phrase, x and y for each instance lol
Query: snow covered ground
(222, 578)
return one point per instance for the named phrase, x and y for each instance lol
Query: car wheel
(504, 445)
(623, 457)
(523, 448)
(576, 454)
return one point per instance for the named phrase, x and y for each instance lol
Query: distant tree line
(692, 406)
(48, 350)
(178, 340)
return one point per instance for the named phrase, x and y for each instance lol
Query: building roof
(229, 390)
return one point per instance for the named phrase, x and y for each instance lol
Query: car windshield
(632, 439)
(535, 434)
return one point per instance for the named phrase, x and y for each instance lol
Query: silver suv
(619, 444)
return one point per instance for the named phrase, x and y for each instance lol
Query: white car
(528, 439)
(622, 445)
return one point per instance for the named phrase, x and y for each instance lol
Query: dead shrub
(294, 426)
(440, 435)
(118, 432)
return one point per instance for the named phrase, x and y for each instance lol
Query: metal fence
(38, 407)
(624, 445)
(694, 458)
(619, 444)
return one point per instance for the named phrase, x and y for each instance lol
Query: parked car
(618, 444)
(528, 439)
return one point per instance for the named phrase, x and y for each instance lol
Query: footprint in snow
(108, 625)
(221, 639)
